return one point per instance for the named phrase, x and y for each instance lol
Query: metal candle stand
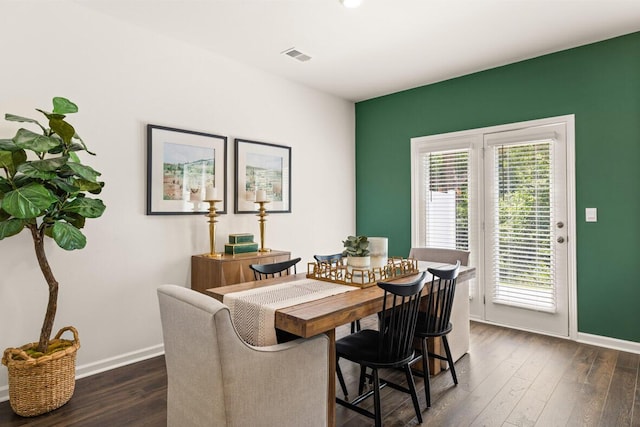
(212, 228)
(262, 214)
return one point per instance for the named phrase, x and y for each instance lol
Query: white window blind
(523, 263)
(446, 199)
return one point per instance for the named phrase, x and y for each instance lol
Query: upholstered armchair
(216, 379)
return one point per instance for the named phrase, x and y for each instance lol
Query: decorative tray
(346, 275)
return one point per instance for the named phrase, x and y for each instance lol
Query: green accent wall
(600, 84)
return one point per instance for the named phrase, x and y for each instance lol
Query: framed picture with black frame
(262, 170)
(181, 166)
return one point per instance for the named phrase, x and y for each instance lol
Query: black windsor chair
(277, 269)
(434, 320)
(389, 347)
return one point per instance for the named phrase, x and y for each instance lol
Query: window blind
(523, 263)
(446, 199)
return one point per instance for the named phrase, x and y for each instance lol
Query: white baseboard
(584, 338)
(613, 343)
(106, 364)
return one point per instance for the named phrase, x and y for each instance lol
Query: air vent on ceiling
(296, 54)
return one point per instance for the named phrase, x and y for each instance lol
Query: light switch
(591, 214)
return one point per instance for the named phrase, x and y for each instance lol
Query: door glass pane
(523, 259)
(446, 199)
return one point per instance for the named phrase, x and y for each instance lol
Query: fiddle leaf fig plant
(45, 189)
(356, 246)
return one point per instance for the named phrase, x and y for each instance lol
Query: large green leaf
(47, 165)
(18, 158)
(67, 236)
(14, 118)
(29, 170)
(64, 106)
(65, 184)
(74, 219)
(11, 227)
(6, 160)
(8, 145)
(93, 187)
(85, 172)
(74, 146)
(62, 128)
(89, 208)
(35, 142)
(27, 202)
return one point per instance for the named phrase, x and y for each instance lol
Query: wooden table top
(315, 317)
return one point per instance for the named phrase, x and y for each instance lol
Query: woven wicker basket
(37, 386)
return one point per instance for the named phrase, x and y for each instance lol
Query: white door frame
(418, 142)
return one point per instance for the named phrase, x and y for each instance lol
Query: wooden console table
(209, 272)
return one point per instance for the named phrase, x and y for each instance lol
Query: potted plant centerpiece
(46, 192)
(356, 249)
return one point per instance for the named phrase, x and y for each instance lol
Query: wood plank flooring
(509, 378)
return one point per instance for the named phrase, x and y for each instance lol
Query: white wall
(122, 78)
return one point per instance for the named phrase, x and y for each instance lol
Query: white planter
(361, 262)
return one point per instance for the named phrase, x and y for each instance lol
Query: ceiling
(383, 46)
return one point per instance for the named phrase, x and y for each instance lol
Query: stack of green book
(240, 244)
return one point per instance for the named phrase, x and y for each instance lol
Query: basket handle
(73, 330)
(11, 353)
(19, 354)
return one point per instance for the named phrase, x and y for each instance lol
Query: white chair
(459, 336)
(216, 379)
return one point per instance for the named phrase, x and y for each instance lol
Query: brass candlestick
(262, 214)
(212, 228)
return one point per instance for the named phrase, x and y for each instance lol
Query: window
(445, 201)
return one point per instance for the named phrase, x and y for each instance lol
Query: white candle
(212, 193)
(194, 196)
(261, 196)
(378, 249)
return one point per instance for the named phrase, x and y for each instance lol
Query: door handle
(560, 239)
(560, 224)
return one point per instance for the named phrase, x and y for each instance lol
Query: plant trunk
(47, 325)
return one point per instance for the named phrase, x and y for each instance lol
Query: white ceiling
(385, 45)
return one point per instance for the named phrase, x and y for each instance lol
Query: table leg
(331, 406)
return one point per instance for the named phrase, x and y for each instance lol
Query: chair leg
(414, 394)
(376, 398)
(341, 380)
(363, 378)
(355, 326)
(452, 367)
(425, 372)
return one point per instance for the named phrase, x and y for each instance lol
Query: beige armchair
(216, 379)
(459, 335)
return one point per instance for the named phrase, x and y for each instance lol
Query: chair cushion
(362, 348)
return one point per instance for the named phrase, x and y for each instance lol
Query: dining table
(324, 315)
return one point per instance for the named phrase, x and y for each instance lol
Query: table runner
(253, 311)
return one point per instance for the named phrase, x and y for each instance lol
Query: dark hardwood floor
(509, 378)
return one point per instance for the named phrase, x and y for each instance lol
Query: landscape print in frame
(262, 166)
(180, 165)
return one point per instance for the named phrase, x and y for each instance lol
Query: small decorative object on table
(240, 244)
(211, 197)
(378, 248)
(261, 199)
(362, 277)
(357, 251)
